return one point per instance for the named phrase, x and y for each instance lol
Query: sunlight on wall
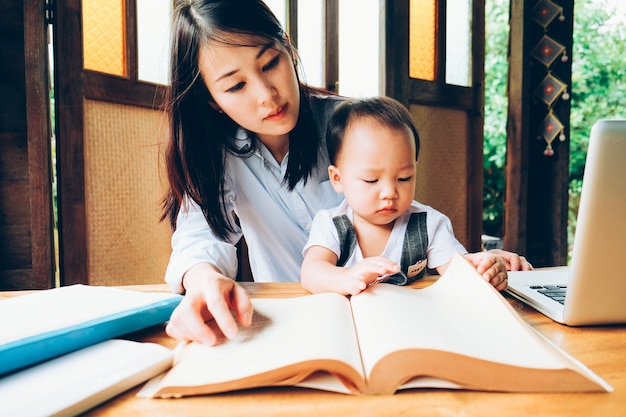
(359, 47)
(359, 44)
(152, 41)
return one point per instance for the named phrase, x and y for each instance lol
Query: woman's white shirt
(274, 220)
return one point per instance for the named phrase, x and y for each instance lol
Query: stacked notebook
(58, 346)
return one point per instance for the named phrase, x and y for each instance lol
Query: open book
(458, 333)
(49, 323)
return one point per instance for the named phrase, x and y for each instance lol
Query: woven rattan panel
(123, 187)
(442, 167)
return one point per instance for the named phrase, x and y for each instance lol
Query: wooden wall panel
(26, 250)
(14, 214)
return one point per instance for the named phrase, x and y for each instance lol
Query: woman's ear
(215, 107)
(334, 175)
(292, 51)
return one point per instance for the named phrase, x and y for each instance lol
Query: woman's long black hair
(200, 135)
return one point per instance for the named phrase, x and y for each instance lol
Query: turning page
(461, 330)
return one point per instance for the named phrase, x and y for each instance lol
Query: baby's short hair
(385, 110)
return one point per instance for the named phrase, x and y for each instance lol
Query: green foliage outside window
(598, 91)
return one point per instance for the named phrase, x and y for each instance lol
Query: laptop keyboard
(556, 292)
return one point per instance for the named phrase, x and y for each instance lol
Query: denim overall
(413, 260)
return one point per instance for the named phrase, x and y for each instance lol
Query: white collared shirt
(274, 220)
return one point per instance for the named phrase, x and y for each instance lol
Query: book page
(461, 314)
(290, 339)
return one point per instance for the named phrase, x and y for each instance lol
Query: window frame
(127, 89)
(437, 93)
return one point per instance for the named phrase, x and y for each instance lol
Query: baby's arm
(320, 273)
(490, 266)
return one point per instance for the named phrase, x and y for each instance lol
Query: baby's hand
(368, 271)
(491, 267)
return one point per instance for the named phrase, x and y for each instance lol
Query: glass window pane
(459, 42)
(153, 39)
(311, 41)
(359, 47)
(422, 30)
(104, 47)
(279, 8)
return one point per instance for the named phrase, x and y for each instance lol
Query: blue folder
(151, 309)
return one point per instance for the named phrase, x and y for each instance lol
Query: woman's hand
(491, 267)
(209, 296)
(514, 262)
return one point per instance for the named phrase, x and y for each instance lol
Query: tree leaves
(598, 91)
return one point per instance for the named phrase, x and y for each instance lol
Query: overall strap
(413, 259)
(415, 247)
(347, 238)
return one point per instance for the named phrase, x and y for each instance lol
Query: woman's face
(255, 86)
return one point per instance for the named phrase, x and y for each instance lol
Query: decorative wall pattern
(547, 51)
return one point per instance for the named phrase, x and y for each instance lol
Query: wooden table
(601, 348)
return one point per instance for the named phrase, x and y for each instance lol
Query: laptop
(592, 289)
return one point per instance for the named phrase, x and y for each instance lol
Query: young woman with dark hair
(247, 157)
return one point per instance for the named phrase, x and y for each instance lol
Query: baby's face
(377, 170)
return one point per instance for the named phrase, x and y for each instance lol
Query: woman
(247, 157)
